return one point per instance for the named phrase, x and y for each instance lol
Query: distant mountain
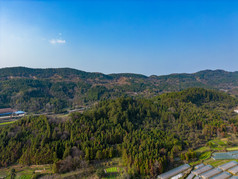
(55, 89)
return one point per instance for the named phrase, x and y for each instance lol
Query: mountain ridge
(113, 74)
(42, 89)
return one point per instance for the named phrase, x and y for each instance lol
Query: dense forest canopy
(53, 90)
(147, 133)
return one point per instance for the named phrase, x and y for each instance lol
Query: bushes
(100, 173)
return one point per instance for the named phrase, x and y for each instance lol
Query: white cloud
(57, 41)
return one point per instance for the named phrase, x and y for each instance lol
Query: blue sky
(146, 37)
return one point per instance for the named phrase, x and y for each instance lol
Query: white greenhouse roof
(174, 172)
(234, 177)
(190, 176)
(233, 170)
(202, 170)
(228, 165)
(211, 173)
(199, 166)
(223, 175)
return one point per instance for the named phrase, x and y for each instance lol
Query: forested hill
(56, 89)
(148, 134)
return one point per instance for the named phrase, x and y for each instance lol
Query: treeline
(147, 133)
(54, 90)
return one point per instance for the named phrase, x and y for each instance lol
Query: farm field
(216, 163)
(232, 148)
(216, 145)
(9, 120)
(112, 170)
(26, 172)
(205, 155)
(6, 123)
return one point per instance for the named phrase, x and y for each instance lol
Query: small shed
(19, 113)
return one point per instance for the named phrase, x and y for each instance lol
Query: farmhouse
(19, 113)
(10, 112)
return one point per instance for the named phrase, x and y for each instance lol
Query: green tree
(13, 173)
(100, 173)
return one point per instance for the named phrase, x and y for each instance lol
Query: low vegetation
(25, 172)
(6, 123)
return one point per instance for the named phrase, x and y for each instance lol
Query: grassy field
(204, 153)
(202, 149)
(6, 123)
(112, 170)
(220, 142)
(232, 148)
(216, 163)
(26, 172)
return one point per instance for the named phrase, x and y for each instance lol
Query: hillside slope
(55, 89)
(147, 133)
